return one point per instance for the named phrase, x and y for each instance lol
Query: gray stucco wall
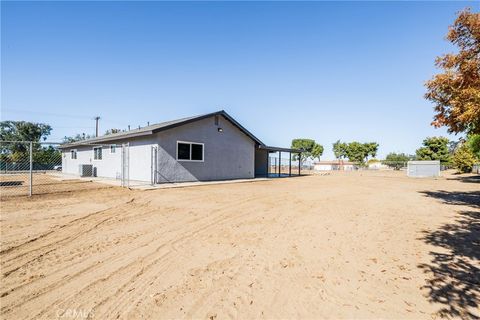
(228, 154)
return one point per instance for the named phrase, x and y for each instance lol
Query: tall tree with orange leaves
(456, 91)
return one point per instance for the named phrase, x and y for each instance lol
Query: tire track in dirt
(60, 242)
(226, 218)
(50, 288)
(70, 224)
(58, 283)
(183, 238)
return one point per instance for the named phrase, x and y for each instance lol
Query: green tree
(18, 131)
(355, 151)
(372, 149)
(47, 155)
(340, 149)
(311, 149)
(22, 132)
(434, 148)
(473, 142)
(397, 160)
(463, 159)
(77, 137)
(112, 131)
(317, 151)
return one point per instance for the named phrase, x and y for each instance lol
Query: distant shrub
(463, 159)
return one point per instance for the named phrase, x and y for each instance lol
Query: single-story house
(208, 147)
(333, 165)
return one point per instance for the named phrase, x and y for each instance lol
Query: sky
(284, 70)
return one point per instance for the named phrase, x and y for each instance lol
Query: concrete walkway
(143, 185)
(193, 184)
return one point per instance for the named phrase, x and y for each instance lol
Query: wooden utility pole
(96, 125)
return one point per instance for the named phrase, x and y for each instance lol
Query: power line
(46, 113)
(70, 127)
(53, 114)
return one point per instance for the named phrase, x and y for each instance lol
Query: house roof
(148, 130)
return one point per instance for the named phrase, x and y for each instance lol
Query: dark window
(73, 154)
(183, 152)
(189, 151)
(97, 153)
(197, 152)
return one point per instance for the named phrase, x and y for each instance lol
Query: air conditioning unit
(86, 170)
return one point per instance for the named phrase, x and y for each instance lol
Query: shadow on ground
(471, 198)
(454, 271)
(467, 178)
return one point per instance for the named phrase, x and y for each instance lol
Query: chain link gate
(154, 165)
(125, 160)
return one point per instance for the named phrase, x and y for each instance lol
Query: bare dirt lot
(345, 245)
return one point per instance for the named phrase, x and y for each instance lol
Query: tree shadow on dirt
(454, 270)
(467, 178)
(471, 198)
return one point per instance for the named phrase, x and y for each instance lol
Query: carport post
(299, 162)
(31, 170)
(279, 162)
(268, 164)
(290, 164)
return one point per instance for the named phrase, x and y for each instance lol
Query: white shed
(423, 169)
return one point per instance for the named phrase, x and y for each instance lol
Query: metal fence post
(128, 164)
(31, 170)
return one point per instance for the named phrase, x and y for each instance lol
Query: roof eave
(101, 140)
(270, 148)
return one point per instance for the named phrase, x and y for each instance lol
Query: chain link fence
(29, 168)
(342, 165)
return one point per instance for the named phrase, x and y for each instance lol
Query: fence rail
(340, 165)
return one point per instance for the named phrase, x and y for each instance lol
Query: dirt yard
(12, 185)
(346, 245)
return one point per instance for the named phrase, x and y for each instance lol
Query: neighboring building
(377, 165)
(201, 148)
(423, 169)
(476, 168)
(334, 165)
